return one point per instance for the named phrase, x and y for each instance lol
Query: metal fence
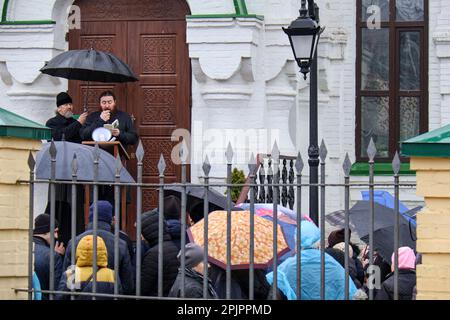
(288, 191)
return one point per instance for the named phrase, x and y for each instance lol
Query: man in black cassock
(125, 132)
(65, 127)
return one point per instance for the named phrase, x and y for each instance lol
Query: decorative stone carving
(225, 55)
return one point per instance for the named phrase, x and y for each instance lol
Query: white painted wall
(244, 78)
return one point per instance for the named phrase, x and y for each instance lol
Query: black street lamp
(304, 34)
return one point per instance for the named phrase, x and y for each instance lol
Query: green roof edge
(435, 143)
(29, 130)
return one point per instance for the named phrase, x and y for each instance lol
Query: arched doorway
(149, 35)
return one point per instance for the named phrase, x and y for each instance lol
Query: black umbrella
(359, 216)
(89, 65)
(383, 240)
(384, 217)
(195, 196)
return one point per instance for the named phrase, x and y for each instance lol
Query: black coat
(42, 264)
(149, 270)
(126, 272)
(128, 135)
(69, 127)
(406, 284)
(193, 286)
(240, 283)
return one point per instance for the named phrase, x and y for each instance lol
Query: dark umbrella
(89, 65)
(195, 196)
(85, 162)
(383, 240)
(384, 217)
(359, 216)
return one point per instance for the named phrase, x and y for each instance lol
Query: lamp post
(304, 34)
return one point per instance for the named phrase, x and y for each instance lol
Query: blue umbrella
(385, 199)
(85, 161)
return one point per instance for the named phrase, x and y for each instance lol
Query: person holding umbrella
(66, 128)
(63, 125)
(108, 113)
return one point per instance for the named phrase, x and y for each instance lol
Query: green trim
(25, 133)
(4, 19)
(5, 10)
(224, 15)
(435, 143)
(380, 169)
(240, 7)
(31, 22)
(426, 150)
(241, 12)
(15, 126)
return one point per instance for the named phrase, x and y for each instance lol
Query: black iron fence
(269, 188)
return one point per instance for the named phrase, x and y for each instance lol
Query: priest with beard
(63, 125)
(107, 114)
(125, 133)
(65, 128)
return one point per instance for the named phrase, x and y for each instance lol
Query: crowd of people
(79, 276)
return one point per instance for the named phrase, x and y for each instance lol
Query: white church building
(224, 71)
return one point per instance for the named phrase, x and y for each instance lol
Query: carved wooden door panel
(160, 100)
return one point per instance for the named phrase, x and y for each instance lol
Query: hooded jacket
(126, 272)
(149, 270)
(311, 271)
(82, 275)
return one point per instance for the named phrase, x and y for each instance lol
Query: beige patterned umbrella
(240, 239)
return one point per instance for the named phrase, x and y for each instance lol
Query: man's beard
(68, 114)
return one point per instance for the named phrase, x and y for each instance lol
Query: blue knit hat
(104, 210)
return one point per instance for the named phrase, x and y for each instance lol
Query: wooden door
(150, 36)
(160, 100)
(104, 36)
